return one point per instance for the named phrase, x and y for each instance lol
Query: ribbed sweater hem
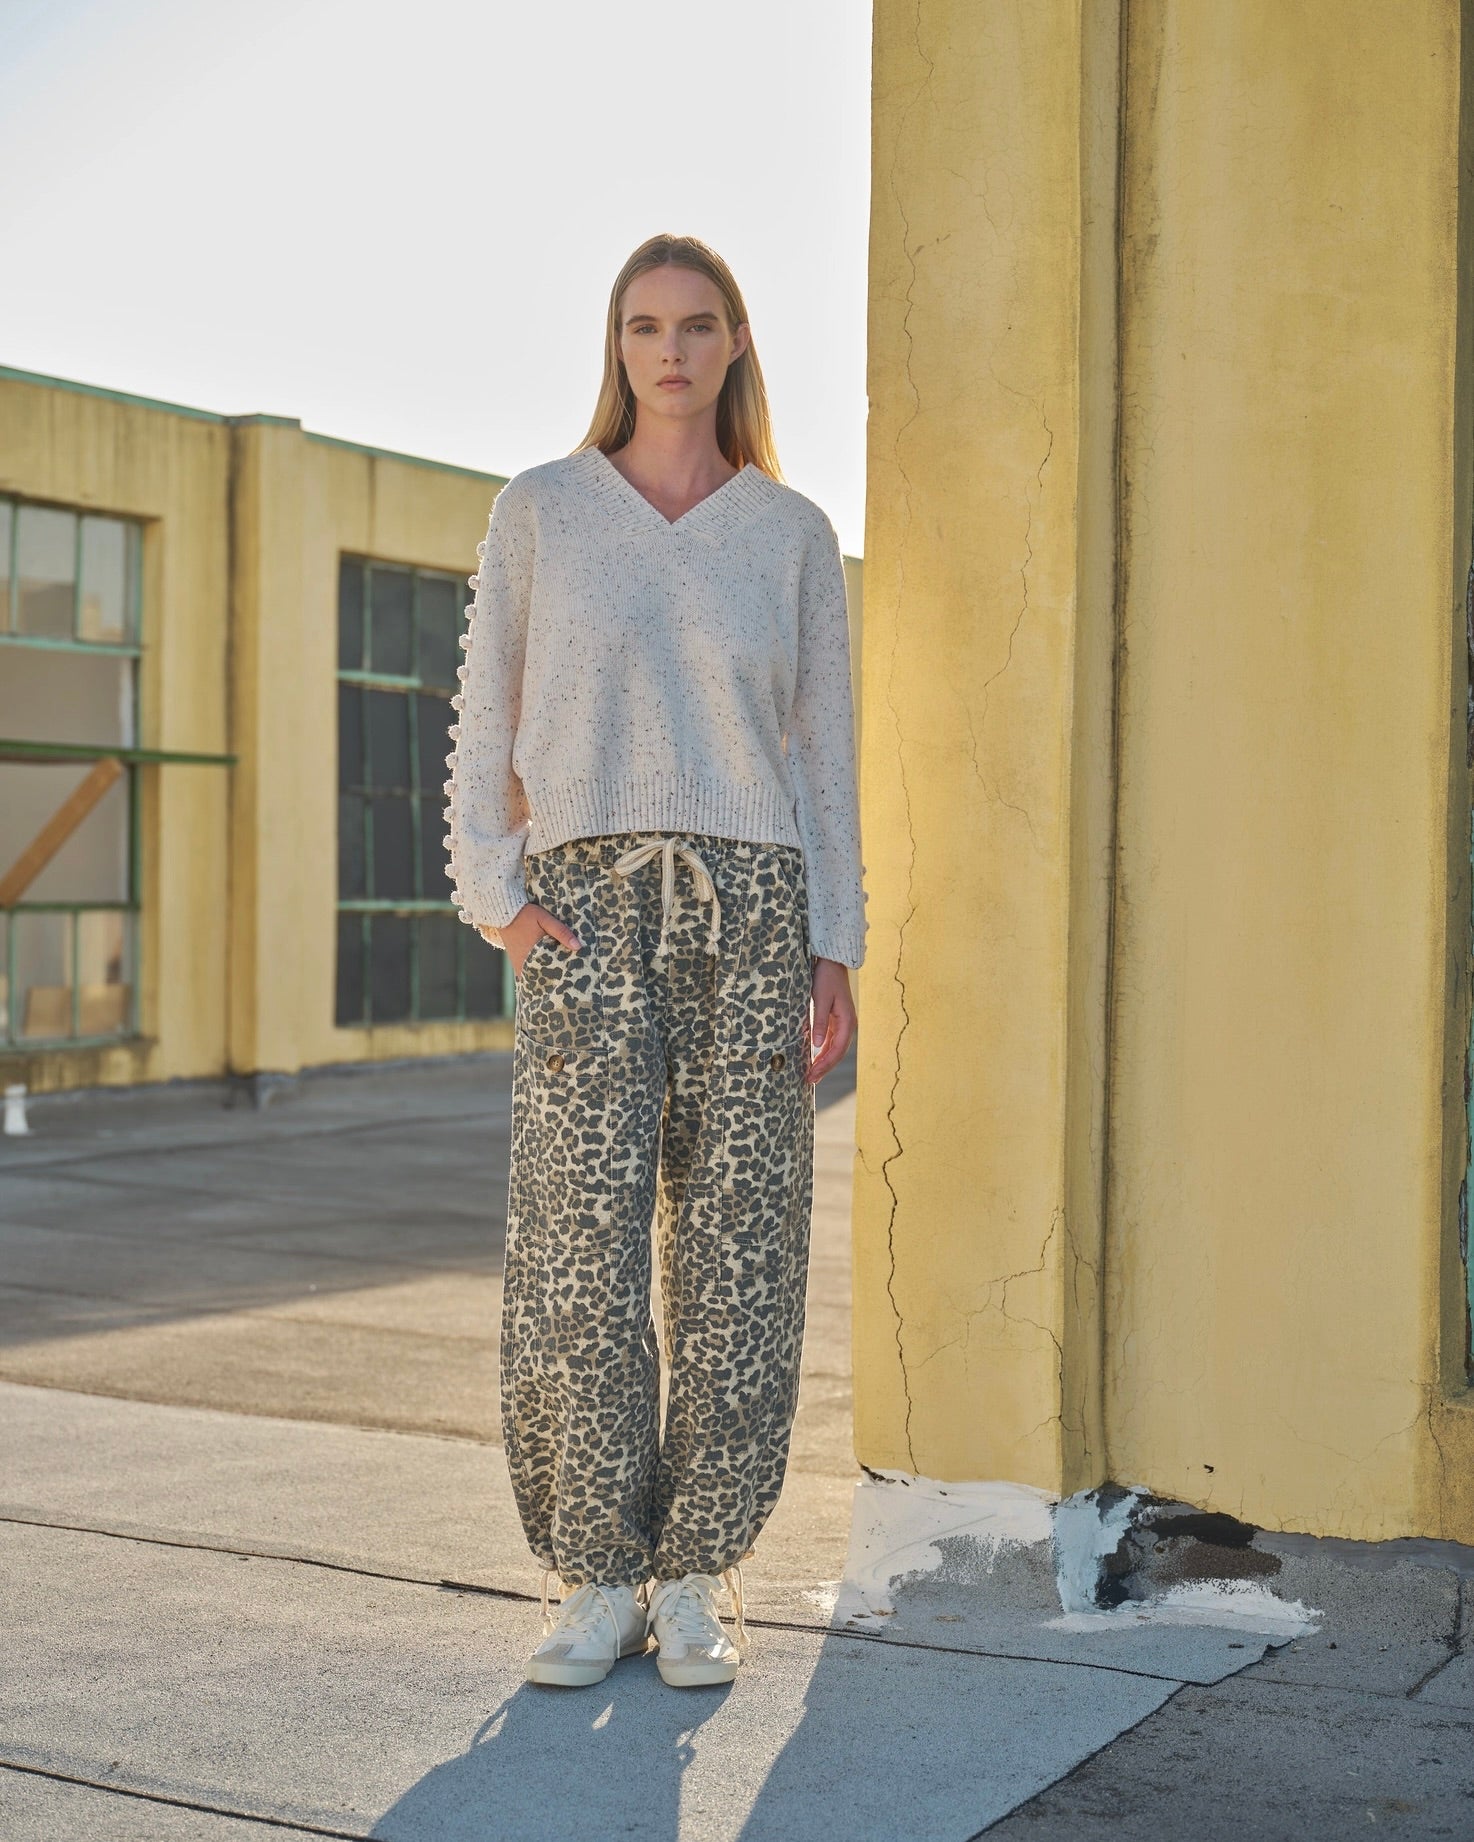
(659, 802)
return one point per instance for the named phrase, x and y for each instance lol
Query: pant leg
(580, 1376)
(734, 1198)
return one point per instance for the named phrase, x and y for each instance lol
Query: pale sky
(400, 223)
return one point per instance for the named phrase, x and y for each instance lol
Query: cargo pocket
(770, 990)
(767, 1137)
(766, 1184)
(558, 994)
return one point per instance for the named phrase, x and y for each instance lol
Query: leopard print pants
(668, 1088)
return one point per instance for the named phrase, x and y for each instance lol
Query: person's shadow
(559, 1765)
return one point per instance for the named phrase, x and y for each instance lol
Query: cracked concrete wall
(1291, 934)
(986, 739)
(1171, 364)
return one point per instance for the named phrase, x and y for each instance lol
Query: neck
(681, 456)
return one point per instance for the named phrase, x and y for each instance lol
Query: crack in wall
(910, 256)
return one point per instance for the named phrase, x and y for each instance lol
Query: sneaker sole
(695, 1675)
(553, 1674)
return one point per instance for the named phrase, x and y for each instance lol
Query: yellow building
(226, 649)
(1163, 1147)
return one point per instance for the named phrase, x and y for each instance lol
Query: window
(69, 601)
(403, 953)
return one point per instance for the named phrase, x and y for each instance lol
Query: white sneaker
(596, 1626)
(694, 1648)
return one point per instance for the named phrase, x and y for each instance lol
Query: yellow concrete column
(986, 759)
(276, 671)
(1285, 1316)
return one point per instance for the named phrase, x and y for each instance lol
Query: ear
(741, 339)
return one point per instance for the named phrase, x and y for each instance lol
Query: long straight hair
(744, 427)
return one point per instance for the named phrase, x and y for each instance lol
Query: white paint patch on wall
(1083, 1537)
(899, 1519)
(1243, 1605)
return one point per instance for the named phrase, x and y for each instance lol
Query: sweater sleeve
(821, 757)
(487, 815)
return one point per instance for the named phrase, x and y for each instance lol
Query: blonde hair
(744, 428)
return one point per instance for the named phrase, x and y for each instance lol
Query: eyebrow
(715, 314)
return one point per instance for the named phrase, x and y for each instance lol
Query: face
(675, 342)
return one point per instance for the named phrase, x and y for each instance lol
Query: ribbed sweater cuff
(492, 901)
(847, 949)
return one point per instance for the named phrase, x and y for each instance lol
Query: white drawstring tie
(706, 889)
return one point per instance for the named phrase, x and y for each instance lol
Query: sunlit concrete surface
(262, 1562)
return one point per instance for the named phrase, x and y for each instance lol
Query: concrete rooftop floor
(264, 1577)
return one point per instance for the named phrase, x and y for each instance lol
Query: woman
(653, 812)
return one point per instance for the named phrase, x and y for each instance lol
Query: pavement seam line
(377, 1429)
(171, 1315)
(185, 1803)
(1065, 1777)
(520, 1598)
(111, 1153)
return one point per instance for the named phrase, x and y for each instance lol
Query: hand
(519, 935)
(834, 1017)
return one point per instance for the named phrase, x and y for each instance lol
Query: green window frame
(403, 954)
(80, 1011)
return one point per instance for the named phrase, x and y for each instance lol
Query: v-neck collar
(719, 512)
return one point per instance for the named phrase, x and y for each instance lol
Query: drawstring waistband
(706, 889)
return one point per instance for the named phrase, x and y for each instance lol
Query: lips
(675, 383)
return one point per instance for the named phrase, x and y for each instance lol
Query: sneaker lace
(690, 1604)
(581, 1613)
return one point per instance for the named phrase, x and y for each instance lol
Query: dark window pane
(350, 736)
(391, 642)
(352, 883)
(483, 976)
(350, 970)
(440, 599)
(435, 883)
(388, 730)
(389, 968)
(350, 614)
(433, 715)
(394, 873)
(438, 947)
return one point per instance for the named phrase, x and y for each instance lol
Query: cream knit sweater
(624, 673)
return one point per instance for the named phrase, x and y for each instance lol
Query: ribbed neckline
(748, 491)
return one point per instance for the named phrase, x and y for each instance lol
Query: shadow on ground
(336, 1255)
(789, 1750)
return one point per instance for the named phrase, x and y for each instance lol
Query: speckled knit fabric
(628, 674)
